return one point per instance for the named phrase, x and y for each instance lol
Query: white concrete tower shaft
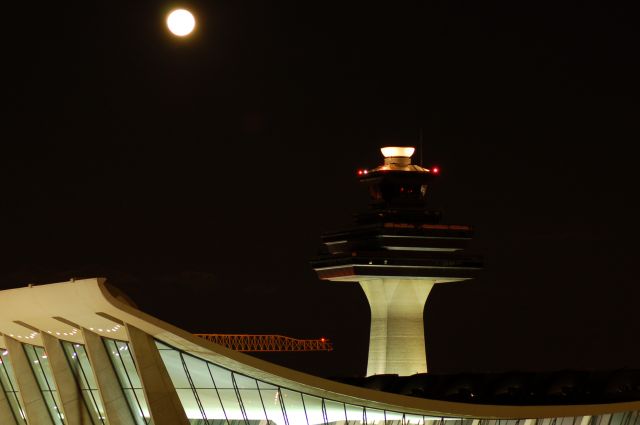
(396, 343)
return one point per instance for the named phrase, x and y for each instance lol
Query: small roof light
(398, 151)
(435, 170)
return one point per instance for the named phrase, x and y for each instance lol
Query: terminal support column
(6, 414)
(73, 405)
(116, 408)
(164, 405)
(397, 344)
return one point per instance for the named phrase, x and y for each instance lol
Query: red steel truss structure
(267, 343)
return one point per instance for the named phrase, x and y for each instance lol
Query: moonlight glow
(181, 22)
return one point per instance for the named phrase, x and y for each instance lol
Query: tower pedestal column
(397, 342)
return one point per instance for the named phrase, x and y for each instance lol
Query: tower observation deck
(397, 251)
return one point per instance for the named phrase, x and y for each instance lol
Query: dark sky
(197, 175)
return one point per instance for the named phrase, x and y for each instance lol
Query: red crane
(267, 343)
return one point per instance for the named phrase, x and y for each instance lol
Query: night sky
(198, 174)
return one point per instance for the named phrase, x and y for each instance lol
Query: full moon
(181, 22)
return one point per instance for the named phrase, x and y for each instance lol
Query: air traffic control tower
(397, 251)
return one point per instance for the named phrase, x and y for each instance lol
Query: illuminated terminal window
(125, 368)
(42, 371)
(211, 394)
(83, 373)
(10, 388)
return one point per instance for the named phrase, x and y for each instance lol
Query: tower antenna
(420, 143)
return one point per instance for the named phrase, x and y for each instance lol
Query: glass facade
(211, 394)
(125, 368)
(42, 371)
(83, 373)
(10, 388)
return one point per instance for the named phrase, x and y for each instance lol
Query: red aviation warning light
(435, 170)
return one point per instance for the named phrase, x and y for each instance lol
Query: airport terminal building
(79, 353)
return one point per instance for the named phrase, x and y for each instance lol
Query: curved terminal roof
(70, 311)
